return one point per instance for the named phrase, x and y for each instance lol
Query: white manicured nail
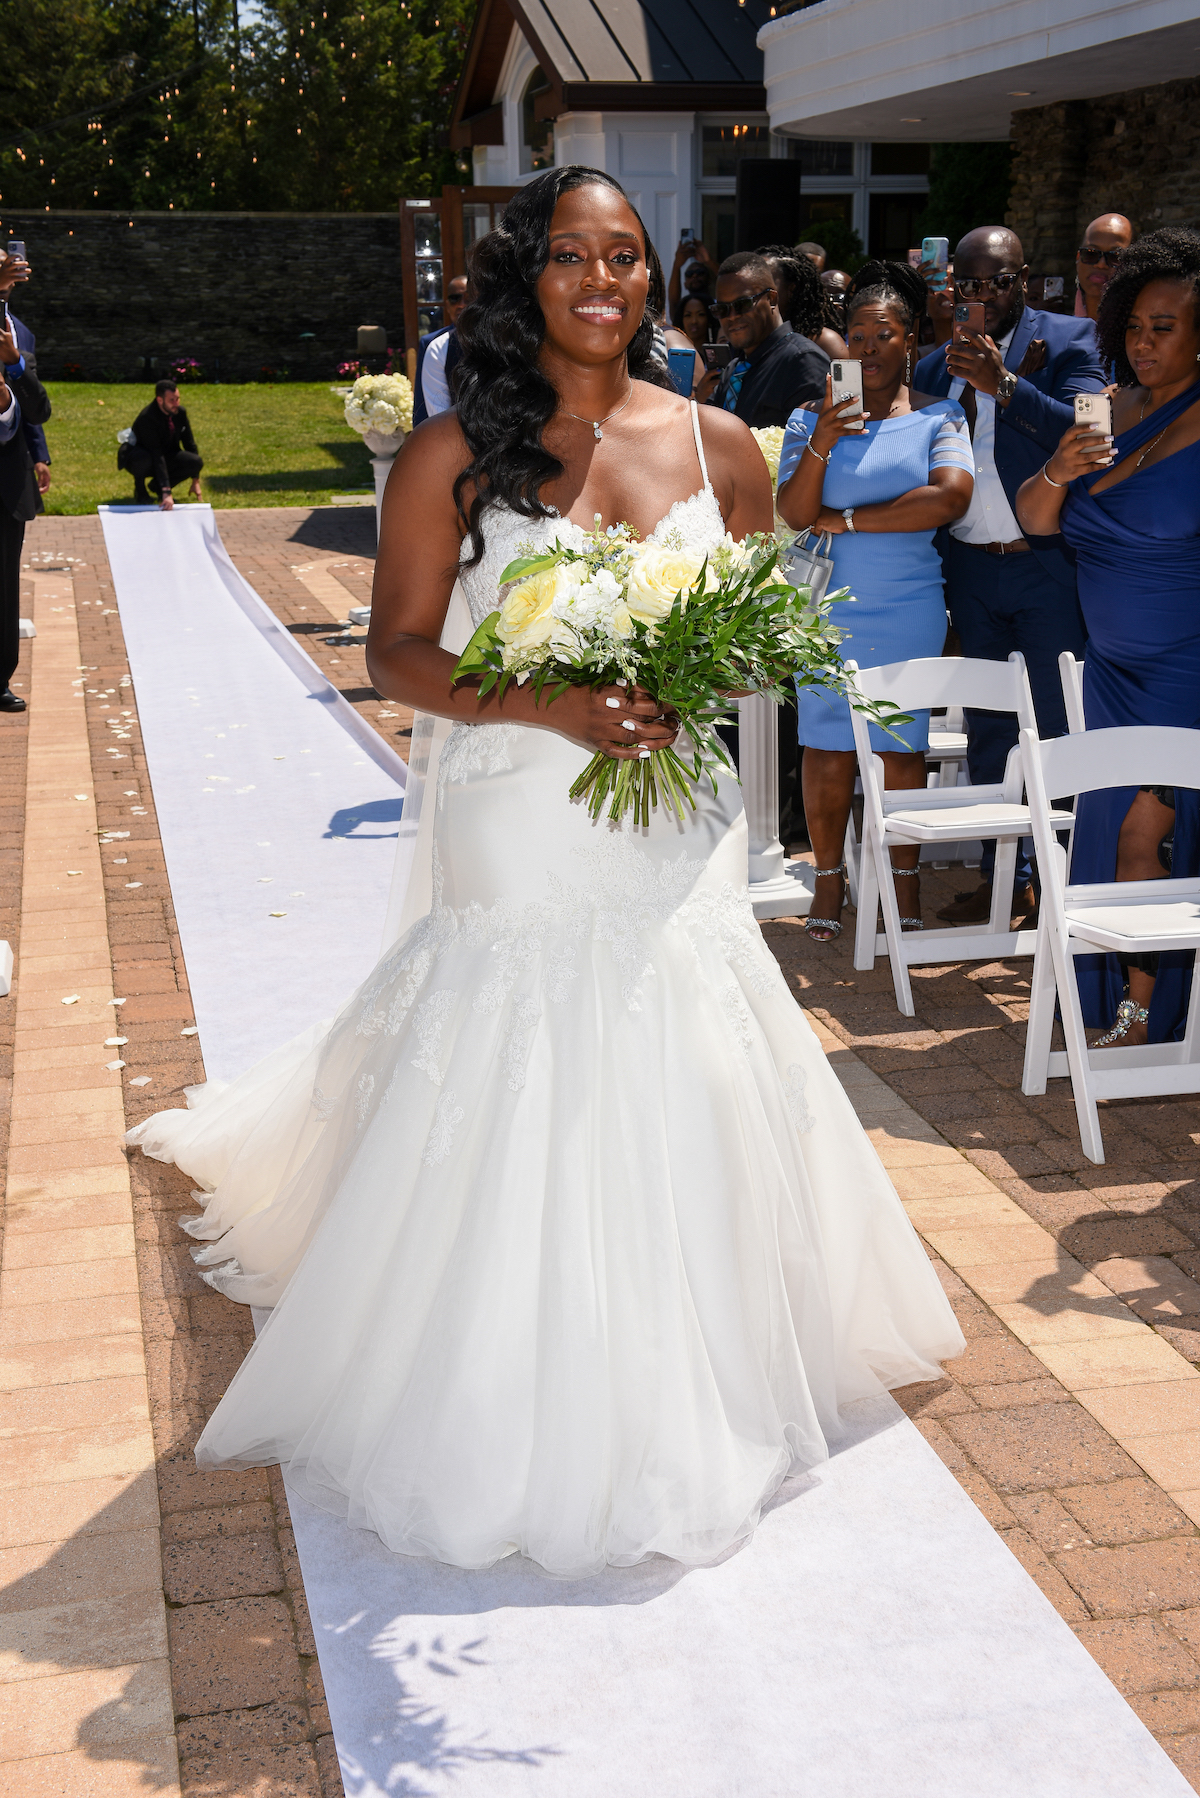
(629, 724)
(614, 703)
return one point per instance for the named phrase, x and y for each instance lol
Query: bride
(574, 1243)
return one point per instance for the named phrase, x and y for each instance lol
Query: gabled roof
(610, 55)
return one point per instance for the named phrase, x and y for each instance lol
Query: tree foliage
(969, 185)
(153, 104)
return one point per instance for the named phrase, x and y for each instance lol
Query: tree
(969, 185)
(137, 104)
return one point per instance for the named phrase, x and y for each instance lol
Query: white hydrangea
(382, 403)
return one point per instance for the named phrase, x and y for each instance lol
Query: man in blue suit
(1016, 382)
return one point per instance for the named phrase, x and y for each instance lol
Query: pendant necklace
(597, 422)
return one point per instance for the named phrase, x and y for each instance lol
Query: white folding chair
(939, 815)
(1132, 917)
(1070, 673)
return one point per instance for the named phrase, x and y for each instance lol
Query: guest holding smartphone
(1131, 513)
(882, 484)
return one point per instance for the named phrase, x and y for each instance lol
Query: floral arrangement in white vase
(380, 409)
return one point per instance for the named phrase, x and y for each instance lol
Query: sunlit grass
(285, 445)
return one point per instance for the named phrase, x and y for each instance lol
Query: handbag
(810, 567)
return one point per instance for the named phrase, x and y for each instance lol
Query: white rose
(527, 618)
(657, 576)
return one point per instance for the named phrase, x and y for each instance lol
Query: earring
(908, 368)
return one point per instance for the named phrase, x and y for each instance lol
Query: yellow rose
(526, 620)
(656, 576)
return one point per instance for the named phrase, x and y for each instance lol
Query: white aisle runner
(875, 1640)
(272, 794)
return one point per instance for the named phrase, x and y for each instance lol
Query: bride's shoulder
(728, 440)
(430, 459)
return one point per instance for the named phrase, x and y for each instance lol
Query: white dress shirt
(989, 518)
(434, 385)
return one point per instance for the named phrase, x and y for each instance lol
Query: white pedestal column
(382, 466)
(775, 892)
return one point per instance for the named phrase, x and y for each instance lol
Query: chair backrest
(1070, 673)
(952, 681)
(1133, 755)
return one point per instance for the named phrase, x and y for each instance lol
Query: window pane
(724, 146)
(427, 233)
(429, 280)
(893, 230)
(537, 135)
(817, 157)
(899, 159)
(476, 218)
(815, 207)
(716, 224)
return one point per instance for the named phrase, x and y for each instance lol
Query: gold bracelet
(1059, 484)
(816, 453)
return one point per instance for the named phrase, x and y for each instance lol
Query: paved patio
(155, 1629)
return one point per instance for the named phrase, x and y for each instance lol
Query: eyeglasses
(744, 303)
(1086, 253)
(971, 286)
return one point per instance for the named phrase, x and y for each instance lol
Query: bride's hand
(616, 721)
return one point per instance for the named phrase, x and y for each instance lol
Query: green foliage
(285, 445)
(124, 104)
(969, 185)
(841, 243)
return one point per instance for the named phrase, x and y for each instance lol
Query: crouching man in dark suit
(24, 472)
(1016, 382)
(164, 451)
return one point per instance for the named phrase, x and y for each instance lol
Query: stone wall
(1136, 153)
(121, 295)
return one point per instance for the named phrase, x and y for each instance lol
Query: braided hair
(504, 399)
(808, 307)
(892, 284)
(1172, 254)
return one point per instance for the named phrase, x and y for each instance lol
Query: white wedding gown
(574, 1242)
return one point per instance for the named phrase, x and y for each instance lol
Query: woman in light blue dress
(882, 488)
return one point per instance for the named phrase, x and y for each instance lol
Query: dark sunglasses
(971, 286)
(744, 303)
(1091, 256)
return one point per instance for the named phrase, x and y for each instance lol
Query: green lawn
(285, 445)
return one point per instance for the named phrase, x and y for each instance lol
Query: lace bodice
(694, 523)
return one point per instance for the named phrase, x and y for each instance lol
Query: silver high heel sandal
(1128, 1014)
(832, 925)
(908, 923)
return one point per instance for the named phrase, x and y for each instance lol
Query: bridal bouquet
(690, 630)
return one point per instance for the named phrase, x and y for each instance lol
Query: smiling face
(746, 330)
(592, 291)
(1161, 337)
(877, 336)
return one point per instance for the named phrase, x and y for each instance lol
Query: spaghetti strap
(700, 446)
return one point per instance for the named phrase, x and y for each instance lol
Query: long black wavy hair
(504, 400)
(1172, 254)
(809, 311)
(883, 283)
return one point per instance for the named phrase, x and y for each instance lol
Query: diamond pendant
(598, 431)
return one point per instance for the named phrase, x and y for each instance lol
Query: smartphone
(847, 385)
(16, 247)
(716, 355)
(3, 313)
(1052, 287)
(914, 259)
(968, 316)
(937, 251)
(687, 235)
(681, 365)
(1095, 409)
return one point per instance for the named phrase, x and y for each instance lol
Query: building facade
(669, 103)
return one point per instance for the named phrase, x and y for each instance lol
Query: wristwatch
(848, 515)
(1006, 386)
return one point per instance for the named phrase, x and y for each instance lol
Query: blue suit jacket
(1028, 429)
(35, 437)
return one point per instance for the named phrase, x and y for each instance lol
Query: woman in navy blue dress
(1134, 524)
(882, 490)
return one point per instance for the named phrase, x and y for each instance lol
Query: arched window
(537, 135)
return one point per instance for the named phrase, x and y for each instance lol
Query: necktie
(966, 400)
(737, 374)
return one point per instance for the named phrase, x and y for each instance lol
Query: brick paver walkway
(1067, 1420)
